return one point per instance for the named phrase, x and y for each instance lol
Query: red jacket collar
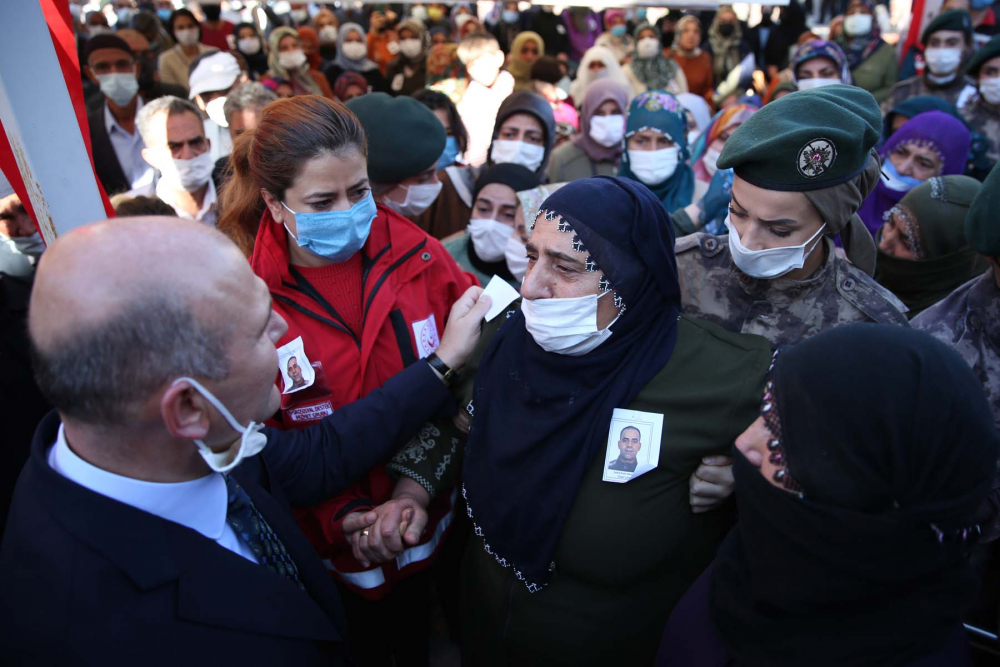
(270, 253)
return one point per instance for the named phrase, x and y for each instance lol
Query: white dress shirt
(207, 212)
(128, 148)
(200, 504)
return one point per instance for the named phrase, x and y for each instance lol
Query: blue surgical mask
(450, 153)
(334, 235)
(896, 181)
(164, 14)
(510, 16)
(981, 4)
(619, 30)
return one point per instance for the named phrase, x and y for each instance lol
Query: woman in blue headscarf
(656, 152)
(584, 541)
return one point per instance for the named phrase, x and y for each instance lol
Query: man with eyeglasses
(117, 145)
(176, 147)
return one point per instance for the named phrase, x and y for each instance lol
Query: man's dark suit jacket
(109, 170)
(89, 580)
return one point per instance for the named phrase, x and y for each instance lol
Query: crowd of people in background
(791, 210)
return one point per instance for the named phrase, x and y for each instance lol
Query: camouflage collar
(984, 308)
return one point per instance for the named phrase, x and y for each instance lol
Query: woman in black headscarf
(572, 569)
(858, 489)
(251, 46)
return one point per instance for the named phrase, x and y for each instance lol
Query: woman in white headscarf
(699, 115)
(600, 63)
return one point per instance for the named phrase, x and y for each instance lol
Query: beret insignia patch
(816, 158)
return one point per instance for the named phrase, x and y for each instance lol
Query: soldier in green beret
(803, 165)
(969, 319)
(947, 44)
(405, 140)
(982, 112)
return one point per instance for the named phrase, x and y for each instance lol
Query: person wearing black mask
(857, 510)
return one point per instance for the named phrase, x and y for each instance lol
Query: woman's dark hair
(212, 12)
(435, 100)
(270, 157)
(177, 14)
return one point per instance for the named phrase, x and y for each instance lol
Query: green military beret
(953, 19)
(990, 50)
(982, 226)
(404, 136)
(807, 140)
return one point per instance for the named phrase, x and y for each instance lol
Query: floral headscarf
(821, 48)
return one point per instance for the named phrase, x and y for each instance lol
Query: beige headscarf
(838, 205)
(300, 79)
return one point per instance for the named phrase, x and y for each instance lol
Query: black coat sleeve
(312, 464)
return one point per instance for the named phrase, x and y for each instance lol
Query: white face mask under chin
(252, 442)
(418, 199)
(517, 152)
(566, 326)
(770, 262)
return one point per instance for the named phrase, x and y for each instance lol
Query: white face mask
(489, 238)
(249, 45)
(252, 442)
(565, 326)
(215, 111)
(517, 152)
(418, 198)
(187, 36)
(327, 35)
(607, 130)
(654, 167)
(292, 59)
(187, 174)
(460, 20)
(809, 84)
(300, 15)
(693, 137)
(857, 25)
(392, 48)
(517, 256)
(943, 61)
(119, 88)
(410, 48)
(420, 13)
(95, 30)
(709, 160)
(770, 262)
(354, 50)
(990, 90)
(647, 47)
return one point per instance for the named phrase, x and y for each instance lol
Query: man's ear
(185, 412)
(90, 74)
(200, 102)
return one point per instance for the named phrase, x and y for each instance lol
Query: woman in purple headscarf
(598, 148)
(582, 28)
(929, 144)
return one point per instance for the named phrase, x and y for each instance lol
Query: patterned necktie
(250, 526)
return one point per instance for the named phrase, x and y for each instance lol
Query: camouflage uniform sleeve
(433, 457)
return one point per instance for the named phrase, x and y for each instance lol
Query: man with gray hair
(154, 515)
(242, 110)
(179, 151)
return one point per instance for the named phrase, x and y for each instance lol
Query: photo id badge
(296, 371)
(633, 444)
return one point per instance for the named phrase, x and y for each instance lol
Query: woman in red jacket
(365, 292)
